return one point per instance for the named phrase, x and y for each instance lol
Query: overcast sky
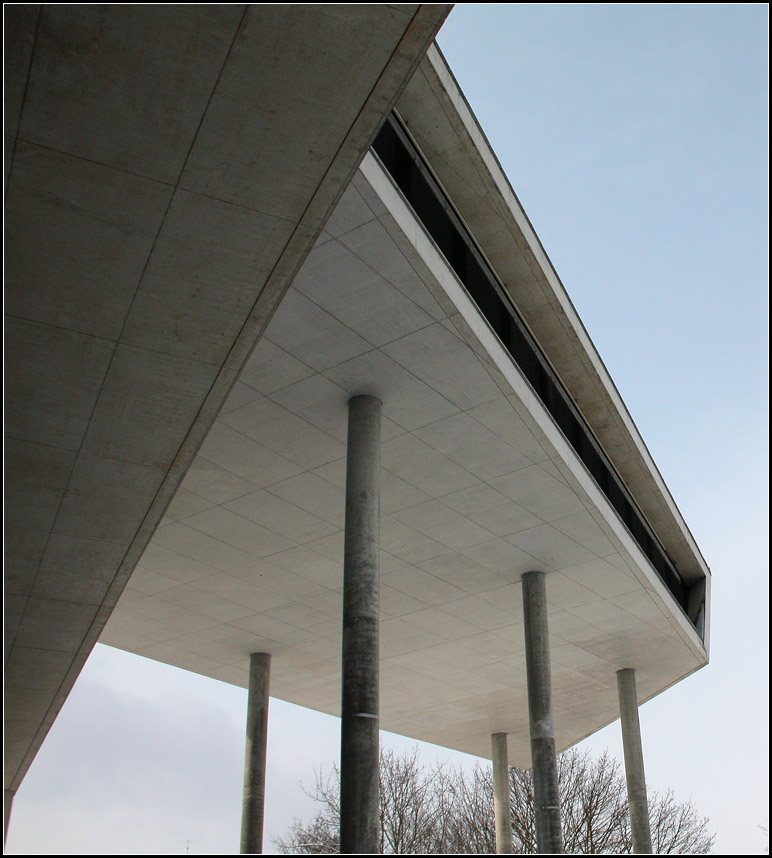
(636, 139)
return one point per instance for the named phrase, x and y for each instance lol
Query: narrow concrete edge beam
(544, 767)
(8, 807)
(253, 802)
(359, 750)
(635, 774)
(501, 804)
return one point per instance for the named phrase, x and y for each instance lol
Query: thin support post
(359, 751)
(634, 772)
(253, 803)
(500, 759)
(549, 838)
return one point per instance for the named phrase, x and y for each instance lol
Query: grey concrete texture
(117, 373)
(549, 837)
(475, 491)
(359, 753)
(255, 752)
(142, 266)
(488, 204)
(635, 774)
(7, 810)
(501, 808)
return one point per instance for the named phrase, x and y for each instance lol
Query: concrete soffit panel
(435, 111)
(478, 487)
(482, 332)
(168, 170)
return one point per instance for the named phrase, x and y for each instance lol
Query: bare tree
(677, 828)
(593, 805)
(471, 825)
(447, 810)
(321, 836)
(412, 810)
(411, 804)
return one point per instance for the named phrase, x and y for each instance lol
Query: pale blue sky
(636, 139)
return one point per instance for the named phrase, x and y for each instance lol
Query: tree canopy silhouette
(441, 809)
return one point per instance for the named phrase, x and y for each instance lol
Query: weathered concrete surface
(253, 802)
(546, 797)
(476, 490)
(501, 810)
(360, 828)
(436, 111)
(478, 484)
(634, 771)
(169, 168)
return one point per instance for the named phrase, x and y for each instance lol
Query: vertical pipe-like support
(636, 777)
(500, 759)
(253, 802)
(359, 748)
(544, 765)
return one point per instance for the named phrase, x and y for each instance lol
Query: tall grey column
(636, 777)
(500, 759)
(254, 758)
(544, 765)
(359, 815)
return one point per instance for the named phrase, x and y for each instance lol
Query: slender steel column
(544, 765)
(254, 758)
(500, 759)
(636, 777)
(359, 814)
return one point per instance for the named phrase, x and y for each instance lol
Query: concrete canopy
(478, 484)
(159, 206)
(168, 168)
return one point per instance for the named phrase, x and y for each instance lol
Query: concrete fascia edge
(414, 232)
(507, 194)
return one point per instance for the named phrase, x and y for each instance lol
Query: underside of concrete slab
(168, 170)
(477, 488)
(205, 262)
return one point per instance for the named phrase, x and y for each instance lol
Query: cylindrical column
(500, 759)
(636, 777)
(544, 765)
(254, 758)
(359, 749)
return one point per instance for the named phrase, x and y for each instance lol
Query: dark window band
(414, 178)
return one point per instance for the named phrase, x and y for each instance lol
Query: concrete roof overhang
(157, 213)
(168, 168)
(452, 142)
(479, 486)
